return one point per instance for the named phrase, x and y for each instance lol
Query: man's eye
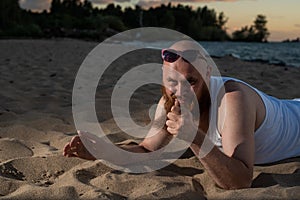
(192, 81)
(172, 81)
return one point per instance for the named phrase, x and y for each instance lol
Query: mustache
(173, 96)
(169, 99)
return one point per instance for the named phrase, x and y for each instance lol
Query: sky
(283, 16)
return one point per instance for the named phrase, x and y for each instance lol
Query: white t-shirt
(277, 138)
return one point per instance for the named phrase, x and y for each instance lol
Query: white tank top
(277, 138)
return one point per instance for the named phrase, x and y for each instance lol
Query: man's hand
(180, 121)
(75, 148)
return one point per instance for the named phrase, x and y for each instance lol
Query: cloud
(148, 4)
(35, 5)
(154, 3)
(108, 1)
(39, 5)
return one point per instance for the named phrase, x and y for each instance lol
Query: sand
(36, 121)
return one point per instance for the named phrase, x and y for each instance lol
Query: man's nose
(181, 89)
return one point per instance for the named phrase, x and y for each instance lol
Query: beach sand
(36, 121)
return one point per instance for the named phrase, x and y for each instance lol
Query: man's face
(183, 81)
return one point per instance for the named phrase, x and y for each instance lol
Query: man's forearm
(159, 139)
(227, 172)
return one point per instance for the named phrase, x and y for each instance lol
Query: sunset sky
(283, 15)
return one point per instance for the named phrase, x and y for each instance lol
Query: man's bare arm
(233, 168)
(158, 135)
(156, 138)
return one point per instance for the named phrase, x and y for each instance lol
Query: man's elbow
(147, 147)
(240, 184)
(240, 180)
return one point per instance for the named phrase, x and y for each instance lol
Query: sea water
(282, 53)
(279, 53)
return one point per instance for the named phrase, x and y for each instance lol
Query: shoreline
(257, 60)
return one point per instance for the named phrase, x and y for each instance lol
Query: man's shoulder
(237, 92)
(236, 86)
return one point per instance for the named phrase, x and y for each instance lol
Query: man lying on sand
(245, 126)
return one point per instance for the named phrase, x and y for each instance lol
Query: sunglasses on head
(171, 55)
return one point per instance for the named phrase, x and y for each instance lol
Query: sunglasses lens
(169, 56)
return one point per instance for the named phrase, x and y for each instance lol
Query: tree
(131, 17)
(88, 8)
(260, 26)
(56, 6)
(10, 13)
(113, 10)
(222, 20)
(245, 34)
(76, 18)
(167, 20)
(258, 32)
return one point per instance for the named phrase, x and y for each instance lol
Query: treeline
(74, 18)
(257, 32)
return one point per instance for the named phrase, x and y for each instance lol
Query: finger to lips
(176, 107)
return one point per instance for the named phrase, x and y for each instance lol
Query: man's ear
(208, 72)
